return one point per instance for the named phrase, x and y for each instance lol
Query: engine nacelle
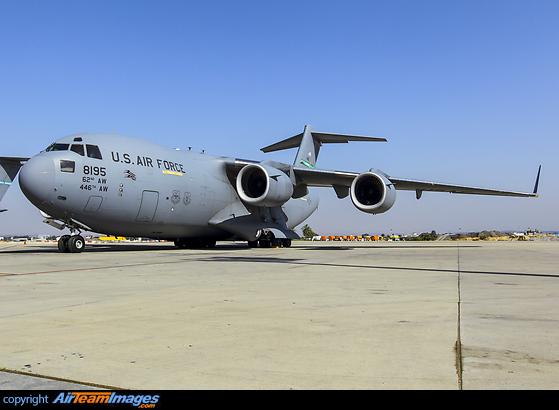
(373, 193)
(263, 185)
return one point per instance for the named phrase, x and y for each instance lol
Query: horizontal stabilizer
(322, 137)
(310, 141)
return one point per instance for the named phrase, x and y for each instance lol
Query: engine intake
(263, 185)
(373, 193)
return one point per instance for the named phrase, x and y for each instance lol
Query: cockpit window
(67, 166)
(93, 151)
(56, 146)
(78, 149)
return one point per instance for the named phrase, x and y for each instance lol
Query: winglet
(537, 181)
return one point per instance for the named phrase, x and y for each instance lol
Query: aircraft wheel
(209, 243)
(76, 244)
(63, 243)
(286, 243)
(270, 240)
(252, 244)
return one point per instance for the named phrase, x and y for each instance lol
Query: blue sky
(465, 92)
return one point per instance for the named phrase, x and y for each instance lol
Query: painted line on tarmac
(131, 265)
(94, 268)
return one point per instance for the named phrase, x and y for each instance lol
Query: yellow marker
(173, 173)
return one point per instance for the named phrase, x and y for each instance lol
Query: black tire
(63, 243)
(208, 243)
(76, 244)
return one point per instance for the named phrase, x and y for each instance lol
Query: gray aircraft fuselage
(121, 185)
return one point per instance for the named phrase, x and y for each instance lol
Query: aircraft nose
(36, 178)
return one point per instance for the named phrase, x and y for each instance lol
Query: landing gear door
(148, 206)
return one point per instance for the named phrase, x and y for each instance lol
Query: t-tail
(309, 143)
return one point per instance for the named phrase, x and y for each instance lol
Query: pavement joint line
(459, 356)
(258, 258)
(60, 379)
(269, 259)
(202, 259)
(95, 268)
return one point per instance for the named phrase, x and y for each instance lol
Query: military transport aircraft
(119, 185)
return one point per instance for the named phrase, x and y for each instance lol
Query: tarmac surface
(318, 315)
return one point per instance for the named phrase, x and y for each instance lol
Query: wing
(341, 181)
(9, 167)
(420, 186)
(304, 172)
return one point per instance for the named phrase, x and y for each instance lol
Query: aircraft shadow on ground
(304, 262)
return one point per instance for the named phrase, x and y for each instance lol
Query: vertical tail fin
(308, 149)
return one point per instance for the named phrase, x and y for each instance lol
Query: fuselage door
(148, 206)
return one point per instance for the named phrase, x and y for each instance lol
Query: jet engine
(263, 185)
(373, 192)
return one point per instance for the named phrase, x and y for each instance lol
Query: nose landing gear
(68, 243)
(72, 244)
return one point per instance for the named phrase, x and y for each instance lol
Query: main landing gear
(268, 240)
(72, 244)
